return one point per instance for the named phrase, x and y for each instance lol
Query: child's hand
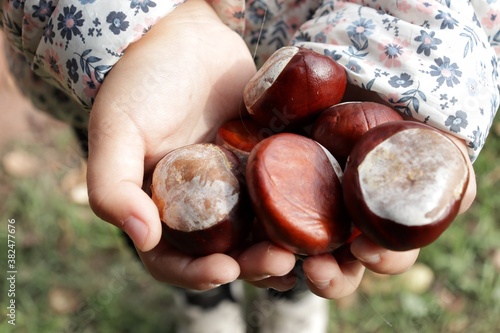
(173, 87)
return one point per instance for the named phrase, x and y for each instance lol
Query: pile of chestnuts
(308, 171)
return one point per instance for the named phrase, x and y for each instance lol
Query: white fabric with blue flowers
(74, 43)
(432, 60)
(436, 61)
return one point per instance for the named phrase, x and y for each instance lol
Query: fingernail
(270, 249)
(261, 277)
(214, 285)
(321, 284)
(371, 259)
(136, 229)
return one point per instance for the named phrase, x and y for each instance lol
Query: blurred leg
(294, 311)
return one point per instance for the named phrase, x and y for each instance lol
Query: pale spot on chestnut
(204, 202)
(268, 73)
(399, 187)
(195, 186)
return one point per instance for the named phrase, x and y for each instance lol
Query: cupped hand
(173, 87)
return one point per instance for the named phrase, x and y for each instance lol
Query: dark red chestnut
(403, 184)
(293, 86)
(240, 136)
(340, 126)
(295, 187)
(200, 200)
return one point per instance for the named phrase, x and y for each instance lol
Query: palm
(170, 103)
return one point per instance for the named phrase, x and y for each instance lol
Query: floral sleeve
(73, 43)
(436, 61)
(432, 60)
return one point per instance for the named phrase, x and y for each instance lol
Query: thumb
(115, 178)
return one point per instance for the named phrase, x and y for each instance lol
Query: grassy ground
(75, 274)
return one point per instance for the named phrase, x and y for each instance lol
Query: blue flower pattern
(427, 42)
(410, 63)
(43, 10)
(435, 61)
(118, 22)
(445, 71)
(79, 41)
(457, 122)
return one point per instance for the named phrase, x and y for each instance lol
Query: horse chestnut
(341, 125)
(295, 187)
(292, 86)
(403, 184)
(240, 136)
(198, 194)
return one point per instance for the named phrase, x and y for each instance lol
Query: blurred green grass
(75, 273)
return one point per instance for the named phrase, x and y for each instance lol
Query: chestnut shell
(222, 237)
(309, 83)
(405, 167)
(240, 136)
(202, 204)
(339, 127)
(297, 195)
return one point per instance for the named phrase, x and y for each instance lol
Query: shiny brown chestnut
(295, 187)
(293, 86)
(403, 184)
(341, 125)
(240, 136)
(204, 208)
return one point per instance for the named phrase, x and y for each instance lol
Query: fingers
(168, 265)
(279, 283)
(115, 175)
(266, 265)
(329, 279)
(332, 279)
(381, 260)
